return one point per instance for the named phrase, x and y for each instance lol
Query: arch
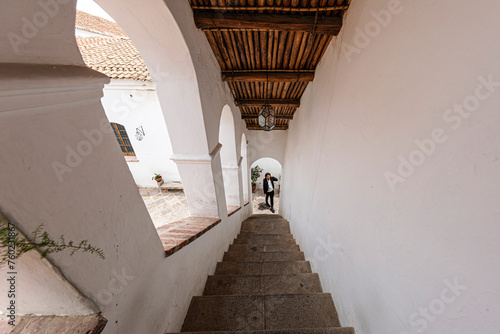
(227, 137)
(268, 164)
(173, 73)
(245, 169)
(179, 61)
(274, 167)
(229, 160)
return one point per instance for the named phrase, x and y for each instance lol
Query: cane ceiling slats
(268, 49)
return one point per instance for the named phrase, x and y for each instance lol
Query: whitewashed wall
(91, 195)
(135, 104)
(420, 256)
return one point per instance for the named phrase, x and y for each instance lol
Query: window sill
(131, 159)
(176, 235)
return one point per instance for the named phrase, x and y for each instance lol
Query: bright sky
(89, 6)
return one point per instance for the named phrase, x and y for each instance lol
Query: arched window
(123, 140)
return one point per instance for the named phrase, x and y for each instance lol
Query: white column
(204, 190)
(232, 180)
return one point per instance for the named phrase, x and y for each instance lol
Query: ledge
(174, 236)
(92, 323)
(246, 203)
(131, 159)
(231, 210)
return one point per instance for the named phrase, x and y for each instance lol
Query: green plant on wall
(13, 244)
(256, 172)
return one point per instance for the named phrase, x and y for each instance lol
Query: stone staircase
(263, 285)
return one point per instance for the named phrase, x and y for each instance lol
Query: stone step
(265, 217)
(268, 236)
(250, 313)
(258, 240)
(249, 248)
(262, 268)
(266, 230)
(252, 224)
(262, 284)
(324, 330)
(264, 256)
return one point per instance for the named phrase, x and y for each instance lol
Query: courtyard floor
(171, 206)
(259, 203)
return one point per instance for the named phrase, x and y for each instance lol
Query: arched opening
(229, 161)
(132, 105)
(244, 170)
(259, 169)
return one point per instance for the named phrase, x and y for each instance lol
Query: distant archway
(268, 165)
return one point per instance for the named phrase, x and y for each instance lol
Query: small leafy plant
(156, 177)
(13, 244)
(256, 172)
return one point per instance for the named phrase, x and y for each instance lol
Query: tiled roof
(98, 25)
(115, 57)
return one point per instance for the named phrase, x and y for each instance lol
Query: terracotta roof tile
(116, 58)
(98, 25)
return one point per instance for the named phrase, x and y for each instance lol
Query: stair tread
(323, 330)
(237, 313)
(250, 248)
(299, 283)
(262, 268)
(263, 256)
(263, 285)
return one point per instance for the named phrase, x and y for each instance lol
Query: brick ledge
(176, 235)
(231, 210)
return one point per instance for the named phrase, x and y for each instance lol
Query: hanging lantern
(267, 118)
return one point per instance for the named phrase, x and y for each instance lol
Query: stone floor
(259, 203)
(167, 207)
(171, 205)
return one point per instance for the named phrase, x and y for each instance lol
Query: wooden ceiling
(268, 50)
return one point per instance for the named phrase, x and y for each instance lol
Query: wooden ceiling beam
(258, 76)
(328, 25)
(277, 127)
(273, 8)
(295, 103)
(257, 116)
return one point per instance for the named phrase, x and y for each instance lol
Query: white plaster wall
(136, 287)
(388, 256)
(32, 32)
(38, 287)
(268, 165)
(188, 80)
(134, 104)
(262, 144)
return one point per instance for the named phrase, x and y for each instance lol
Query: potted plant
(256, 171)
(157, 178)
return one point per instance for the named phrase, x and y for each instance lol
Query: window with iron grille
(123, 140)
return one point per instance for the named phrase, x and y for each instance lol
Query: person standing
(268, 185)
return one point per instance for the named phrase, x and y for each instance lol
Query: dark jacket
(266, 186)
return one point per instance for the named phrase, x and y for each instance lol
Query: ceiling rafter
(270, 102)
(268, 50)
(259, 76)
(216, 20)
(257, 116)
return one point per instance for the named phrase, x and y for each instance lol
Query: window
(122, 137)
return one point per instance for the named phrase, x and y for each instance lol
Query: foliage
(256, 172)
(13, 244)
(157, 176)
